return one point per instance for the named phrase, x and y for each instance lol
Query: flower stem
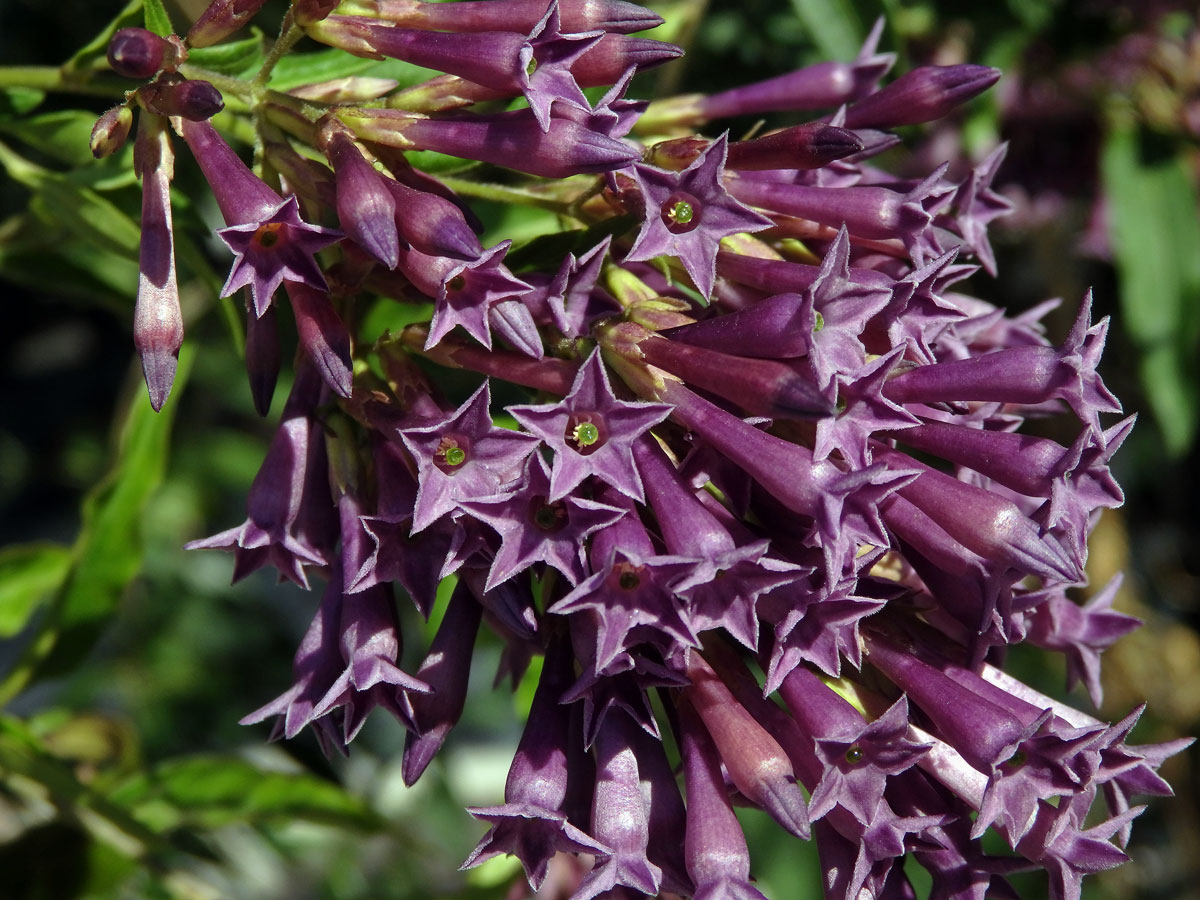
(503, 194)
(55, 78)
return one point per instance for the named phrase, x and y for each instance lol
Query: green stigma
(456, 456)
(628, 581)
(1017, 760)
(531, 67)
(854, 755)
(457, 283)
(820, 322)
(682, 212)
(585, 434)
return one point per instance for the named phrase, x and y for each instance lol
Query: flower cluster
(772, 450)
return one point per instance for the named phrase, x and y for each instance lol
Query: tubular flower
(813, 480)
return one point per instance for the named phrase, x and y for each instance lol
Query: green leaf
(26, 763)
(834, 26)
(238, 58)
(157, 19)
(19, 101)
(296, 69)
(1155, 231)
(63, 135)
(29, 573)
(108, 552)
(325, 65)
(85, 214)
(211, 791)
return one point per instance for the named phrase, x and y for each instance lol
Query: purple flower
(277, 247)
(617, 16)
(265, 231)
(533, 528)
(718, 860)
(531, 824)
(1021, 374)
(289, 508)
(432, 715)
(157, 319)
(592, 432)
(465, 292)
(920, 95)
(316, 666)
(463, 457)
(1080, 632)
(687, 213)
(513, 139)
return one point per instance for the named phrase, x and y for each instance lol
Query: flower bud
(136, 52)
(306, 12)
(111, 130)
(221, 19)
(194, 100)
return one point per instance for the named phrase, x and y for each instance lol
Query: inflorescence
(771, 492)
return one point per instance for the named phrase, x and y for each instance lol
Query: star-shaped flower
(278, 247)
(725, 587)
(633, 596)
(592, 432)
(975, 204)
(862, 410)
(575, 305)
(370, 644)
(688, 212)
(859, 758)
(464, 457)
(464, 292)
(534, 529)
(1081, 633)
(545, 65)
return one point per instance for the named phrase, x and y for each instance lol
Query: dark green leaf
(211, 791)
(238, 58)
(80, 269)
(29, 573)
(1155, 233)
(63, 135)
(157, 19)
(548, 251)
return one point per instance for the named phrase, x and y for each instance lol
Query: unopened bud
(136, 52)
(922, 95)
(306, 12)
(194, 100)
(221, 19)
(677, 154)
(111, 130)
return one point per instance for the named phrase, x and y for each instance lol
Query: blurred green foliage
(125, 663)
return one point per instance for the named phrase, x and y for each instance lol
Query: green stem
(503, 194)
(53, 78)
(289, 35)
